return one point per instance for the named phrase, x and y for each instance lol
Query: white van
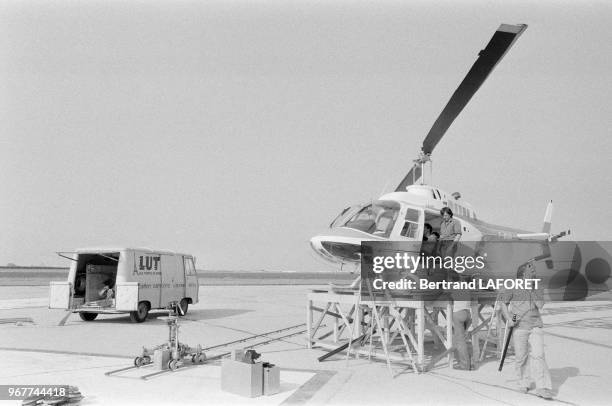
(121, 280)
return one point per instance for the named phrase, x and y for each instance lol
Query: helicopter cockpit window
(412, 215)
(344, 214)
(363, 220)
(377, 219)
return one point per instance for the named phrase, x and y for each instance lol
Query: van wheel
(141, 314)
(86, 316)
(184, 306)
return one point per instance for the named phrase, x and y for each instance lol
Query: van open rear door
(59, 295)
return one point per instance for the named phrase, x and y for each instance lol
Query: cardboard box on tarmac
(271, 379)
(242, 378)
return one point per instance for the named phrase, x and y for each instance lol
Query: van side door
(168, 271)
(147, 272)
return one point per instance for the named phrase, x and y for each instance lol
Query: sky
(237, 130)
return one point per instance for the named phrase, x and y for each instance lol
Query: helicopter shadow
(558, 376)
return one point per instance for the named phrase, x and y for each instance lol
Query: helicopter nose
(316, 243)
(334, 250)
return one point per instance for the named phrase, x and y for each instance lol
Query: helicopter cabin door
(410, 226)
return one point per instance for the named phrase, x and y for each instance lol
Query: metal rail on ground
(221, 355)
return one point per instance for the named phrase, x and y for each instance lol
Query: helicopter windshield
(376, 219)
(344, 215)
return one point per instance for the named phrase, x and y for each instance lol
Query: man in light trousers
(524, 308)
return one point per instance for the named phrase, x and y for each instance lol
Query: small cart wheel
(194, 358)
(202, 358)
(172, 365)
(138, 362)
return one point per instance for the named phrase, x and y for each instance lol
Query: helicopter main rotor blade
(410, 178)
(488, 58)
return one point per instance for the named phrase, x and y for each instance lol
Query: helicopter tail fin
(545, 233)
(548, 218)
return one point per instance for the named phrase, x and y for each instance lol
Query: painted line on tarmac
(455, 379)
(305, 392)
(89, 354)
(15, 320)
(29, 303)
(580, 340)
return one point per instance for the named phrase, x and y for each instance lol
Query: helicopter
(401, 216)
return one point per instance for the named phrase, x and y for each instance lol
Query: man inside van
(107, 293)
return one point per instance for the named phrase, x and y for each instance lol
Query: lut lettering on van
(147, 262)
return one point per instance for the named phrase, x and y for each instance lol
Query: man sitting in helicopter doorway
(429, 240)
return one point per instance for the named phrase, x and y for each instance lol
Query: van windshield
(189, 267)
(376, 219)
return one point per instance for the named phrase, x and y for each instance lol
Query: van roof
(120, 249)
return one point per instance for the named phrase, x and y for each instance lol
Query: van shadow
(155, 317)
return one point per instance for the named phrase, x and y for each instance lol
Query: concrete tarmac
(36, 348)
